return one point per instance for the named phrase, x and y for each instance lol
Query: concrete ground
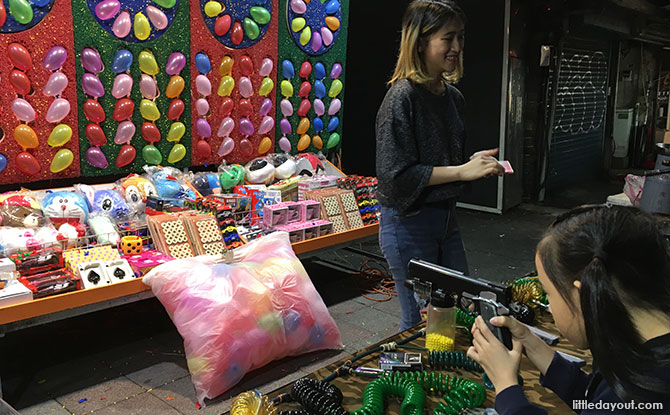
(130, 360)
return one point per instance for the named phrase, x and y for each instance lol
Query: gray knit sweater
(416, 131)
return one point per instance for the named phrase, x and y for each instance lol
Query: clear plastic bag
(240, 316)
(633, 188)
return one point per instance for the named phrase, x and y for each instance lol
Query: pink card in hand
(508, 167)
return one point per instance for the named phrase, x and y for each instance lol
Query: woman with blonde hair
(421, 163)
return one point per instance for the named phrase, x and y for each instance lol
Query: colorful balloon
(226, 127)
(319, 108)
(55, 58)
(287, 69)
(90, 60)
(226, 86)
(266, 107)
(222, 25)
(20, 82)
(266, 67)
(246, 108)
(305, 89)
(142, 27)
(175, 86)
(266, 87)
(260, 14)
(23, 110)
(126, 155)
(335, 88)
(286, 89)
(148, 63)
(305, 69)
(121, 27)
(303, 142)
(298, 6)
(60, 135)
(285, 126)
(122, 61)
(177, 153)
(236, 35)
(334, 107)
(203, 149)
(96, 158)
(266, 125)
(305, 35)
(246, 89)
(303, 126)
(123, 83)
(176, 132)
(123, 109)
(203, 128)
(213, 8)
(157, 17)
(298, 24)
(21, 10)
(265, 145)
(246, 127)
(319, 70)
(27, 164)
(336, 71)
(250, 28)
(148, 87)
(332, 6)
(333, 23)
(246, 65)
(317, 142)
(25, 136)
(286, 107)
(124, 132)
(93, 111)
(246, 147)
(3, 19)
(226, 147)
(62, 160)
(333, 140)
(201, 106)
(151, 155)
(3, 159)
(226, 106)
(95, 134)
(202, 63)
(226, 66)
(175, 63)
(304, 107)
(317, 124)
(202, 85)
(175, 110)
(319, 89)
(58, 110)
(284, 144)
(327, 36)
(168, 4)
(150, 132)
(149, 110)
(92, 86)
(333, 123)
(107, 9)
(316, 41)
(19, 56)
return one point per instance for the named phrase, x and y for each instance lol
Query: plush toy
(19, 210)
(231, 176)
(111, 202)
(136, 189)
(309, 165)
(259, 171)
(285, 165)
(207, 183)
(15, 239)
(65, 205)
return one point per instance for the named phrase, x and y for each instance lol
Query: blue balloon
(122, 61)
(332, 6)
(292, 320)
(319, 70)
(287, 69)
(316, 335)
(317, 124)
(319, 89)
(3, 162)
(333, 123)
(202, 63)
(40, 3)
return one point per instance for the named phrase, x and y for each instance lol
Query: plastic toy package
(240, 316)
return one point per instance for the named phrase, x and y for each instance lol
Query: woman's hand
(491, 153)
(480, 166)
(539, 353)
(501, 365)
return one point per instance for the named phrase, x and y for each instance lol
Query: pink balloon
(284, 144)
(96, 158)
(202, 106)
(266, 67)
(58, 110)
(157, 17)
(298, 6)
(335, 106)
(56, 84)
(246, 89)
(227, 145)
(107, 9)
(246, 127)
(124, 132)
(148, 87)
(286, 107)
(226, 127)
(23, 110)
(266, 107)
(55, 58)
(203, 85)
(319, 108)
(327, 36)
(92, 85)
(121, 26)
(266, 125)
(123, 83)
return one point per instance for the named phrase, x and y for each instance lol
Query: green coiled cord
(442, 360)
(414, 398)
(464, 319)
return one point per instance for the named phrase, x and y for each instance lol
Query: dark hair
(622, 259)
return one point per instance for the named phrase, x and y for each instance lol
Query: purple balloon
(319, 108)
(285, 126)
(55, 58)
(284, 144)
(204, 129)
(90, 60)
(316, 41)
(92, 85)
(96, 158)
(107, 9)
(266, 106)
(286, 107)
(175, 63)
(246, 127)
(336, 71)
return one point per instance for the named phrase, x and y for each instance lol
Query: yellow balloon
(226, 67)
(175, 86)
(213, 8)
(303, 126)
(265, 145)
(317, 142)
(335, 88)
(266, 87)
(149, 110)
(60, 135)
(25, 136)
(177, 130)
(297, 24)
(148, 63)
(141, 25)
(305, 36)
(226, 86)
(62, 160)
(177, 153)
(303, 143)
(286, 88)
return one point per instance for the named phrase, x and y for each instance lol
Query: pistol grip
(503, 334)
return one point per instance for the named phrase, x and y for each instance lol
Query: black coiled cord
(318, 398)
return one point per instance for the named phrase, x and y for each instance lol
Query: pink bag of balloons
(240, 316)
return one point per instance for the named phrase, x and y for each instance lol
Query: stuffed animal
(259, 171)
(284, 164)
(19, 210)
(309, 165)
(111, 202)
(65, 205)
(136, 189)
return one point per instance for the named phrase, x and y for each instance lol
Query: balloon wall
(169, 82)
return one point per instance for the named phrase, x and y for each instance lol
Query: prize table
(352, 386)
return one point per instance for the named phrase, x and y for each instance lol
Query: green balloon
(21, 10)
(260, 14)
(251, 28)
(168, 4)
(333, 140)
(151, 154)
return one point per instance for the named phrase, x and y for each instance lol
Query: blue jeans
(430, 234)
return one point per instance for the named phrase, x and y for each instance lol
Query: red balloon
(246, 108)
(150, 132)
(93, 111)
(19, 56)
(203, 149)
(95, 135)
(27, 164)
(246, 65)
(227, 106)
(222, 25)
(246, 147)
(20, 82)
(304, 107)
(305, 88)
(123, 109)
(175, 110)
(305, 69)
(3, 14)
(236, 34)
(126, 155)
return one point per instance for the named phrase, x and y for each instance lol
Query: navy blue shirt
(571, 384)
